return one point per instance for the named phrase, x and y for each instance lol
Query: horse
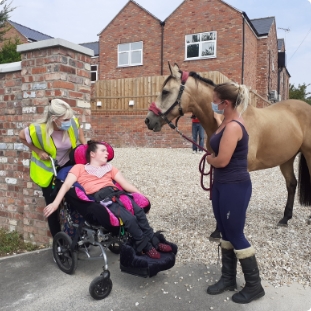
(277, 133)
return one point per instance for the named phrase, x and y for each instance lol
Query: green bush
(12, 242)
(8, 52)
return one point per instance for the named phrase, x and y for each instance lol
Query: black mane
(195, 76)
(198, 77)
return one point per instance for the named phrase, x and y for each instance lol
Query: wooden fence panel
(116, 94)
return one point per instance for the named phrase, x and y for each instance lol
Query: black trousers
(137, 225)
(49, 195)
(53, 219)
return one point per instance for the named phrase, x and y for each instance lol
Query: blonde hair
(57, 108)
(238, 94)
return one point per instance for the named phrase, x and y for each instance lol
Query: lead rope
(202, 162)
(218, 261)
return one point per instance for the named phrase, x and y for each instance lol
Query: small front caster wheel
(100, 287)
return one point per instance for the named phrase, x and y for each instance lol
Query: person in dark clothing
(232, 189)
(197, 130)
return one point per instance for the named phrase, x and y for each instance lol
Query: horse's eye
(165, 92)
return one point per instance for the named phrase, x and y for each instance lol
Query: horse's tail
(304, 182)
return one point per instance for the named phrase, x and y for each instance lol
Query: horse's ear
(170, 67)
(175, 71)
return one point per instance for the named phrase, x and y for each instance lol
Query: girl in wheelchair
(96, 177)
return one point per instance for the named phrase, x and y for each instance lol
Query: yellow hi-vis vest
(41, 172)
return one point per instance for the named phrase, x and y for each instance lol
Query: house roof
(263, 25)
(93, 46)
(281, 43)
(30, 34)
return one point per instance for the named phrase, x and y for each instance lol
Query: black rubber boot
(228, 270)
(252, 289)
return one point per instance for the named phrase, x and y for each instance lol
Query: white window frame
(201, 43)
(129, 52)
(94, 71)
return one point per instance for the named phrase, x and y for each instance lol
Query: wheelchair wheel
(115, 247)
(66, 259)
(100, 287)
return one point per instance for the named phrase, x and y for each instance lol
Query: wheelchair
(66, 249)
(78, 237)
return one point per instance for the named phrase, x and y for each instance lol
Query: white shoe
(194, 152)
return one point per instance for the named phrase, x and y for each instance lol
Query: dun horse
(277, 133)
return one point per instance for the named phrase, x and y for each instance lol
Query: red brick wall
(46, 73)
(132, 24)
(122, 130)
(202, 16)
(11, 34)
(266, 60)
(250, 57)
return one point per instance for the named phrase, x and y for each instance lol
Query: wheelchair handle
(53, 165)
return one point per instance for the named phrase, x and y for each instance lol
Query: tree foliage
(6, 9)
(300, 92)
(8, 52)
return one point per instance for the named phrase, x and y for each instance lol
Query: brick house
(26, 35)
(199, 35)
(23, 34)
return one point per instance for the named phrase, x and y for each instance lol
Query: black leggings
(53, 219)
(49, 196)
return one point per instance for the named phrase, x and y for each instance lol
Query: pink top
(63, 148)
(92, 183)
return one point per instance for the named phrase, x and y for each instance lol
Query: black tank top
(236, 170)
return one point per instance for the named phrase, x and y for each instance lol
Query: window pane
(192, 50)
(193, 38)
(136, 46)
(136, 57)
(93, 76)
(94, 67)
(124, 47)
(208, 48)
(208, 36)
(123, 59)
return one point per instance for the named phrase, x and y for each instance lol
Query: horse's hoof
(309, 221)
(280, 224)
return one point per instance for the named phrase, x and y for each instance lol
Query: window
(201, 45)
(93, 73)
(130, 54)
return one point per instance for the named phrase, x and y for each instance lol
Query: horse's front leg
(287, 170)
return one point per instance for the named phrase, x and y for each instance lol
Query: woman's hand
(43, 155)
(50, 209)
(209, 157)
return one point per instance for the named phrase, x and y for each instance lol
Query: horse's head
(168, 105)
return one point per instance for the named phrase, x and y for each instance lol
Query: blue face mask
(65, 125)
(215, 108)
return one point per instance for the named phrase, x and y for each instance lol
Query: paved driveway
(33, 282)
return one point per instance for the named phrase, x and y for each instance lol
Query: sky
(78, 21)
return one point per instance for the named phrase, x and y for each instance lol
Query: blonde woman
(55, 135)
(232, 189)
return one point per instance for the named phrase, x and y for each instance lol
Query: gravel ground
(170, 178)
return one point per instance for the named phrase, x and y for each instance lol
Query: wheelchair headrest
(78, 154)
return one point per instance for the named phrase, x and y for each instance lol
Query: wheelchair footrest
(142, 265)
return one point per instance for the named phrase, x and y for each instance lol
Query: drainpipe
(279, 78)
(162, 43)
(243, 49)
